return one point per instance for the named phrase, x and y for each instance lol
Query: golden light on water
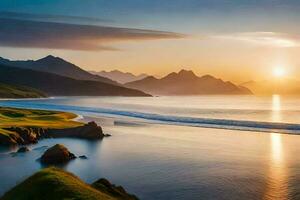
(277, 187)
(276, 103)
(276, 108)
(276, 146)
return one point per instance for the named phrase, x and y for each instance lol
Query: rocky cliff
(30, 135)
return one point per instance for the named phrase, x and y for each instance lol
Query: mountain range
(58, 77)
(58, 66)
(57, 85)
(187, 83)
(120, 77)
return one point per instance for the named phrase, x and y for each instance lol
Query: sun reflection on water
(276, 146)
(276, 108)
(277, 186)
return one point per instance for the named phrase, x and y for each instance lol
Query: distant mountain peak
(186, 82)
(115, 70)
(150, 78)
(120, 76)
(57, 65)
(207, 76)
(184, 72)
(51, 58)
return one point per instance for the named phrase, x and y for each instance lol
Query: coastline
(28, 136)
(154, 152)
(217, 123)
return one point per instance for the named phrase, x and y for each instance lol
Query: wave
(259, 126)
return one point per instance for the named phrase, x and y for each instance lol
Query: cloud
(34, 34)
(272, 39)
(52, 18)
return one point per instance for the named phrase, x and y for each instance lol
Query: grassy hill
(52, 183)
(10, 91)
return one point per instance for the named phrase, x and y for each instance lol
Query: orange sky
(233, 40)
(250, 57)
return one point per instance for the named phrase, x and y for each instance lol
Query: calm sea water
(157, 152)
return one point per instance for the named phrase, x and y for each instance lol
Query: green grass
(14, 117)
(52, 183)
(36, 118)
(10, 91)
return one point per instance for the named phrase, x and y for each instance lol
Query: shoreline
(108, 157)
(228, 124)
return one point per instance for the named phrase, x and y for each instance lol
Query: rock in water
(90, 131)
(57, 154)
(116, 191)
(83, 157)
(23, 149)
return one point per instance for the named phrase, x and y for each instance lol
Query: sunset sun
(279, 72)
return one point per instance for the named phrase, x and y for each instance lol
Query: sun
(279, 72)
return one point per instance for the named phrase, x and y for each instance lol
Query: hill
(56, 85)
(187, 83)
(58, 66)
(120, 77)
(52, 183)
(11, 91)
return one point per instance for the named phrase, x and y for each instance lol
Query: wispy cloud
(33, 34)
(273, 39)
(53, 18)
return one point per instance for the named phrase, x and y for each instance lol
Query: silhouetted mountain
(121, 77)
(186, 83)
(58, 66)
(57, 85)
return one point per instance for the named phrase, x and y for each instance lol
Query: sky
(237, 40)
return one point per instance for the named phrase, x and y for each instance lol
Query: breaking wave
(167, 119)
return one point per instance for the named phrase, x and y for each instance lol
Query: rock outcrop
(27, 135)
(116, 191)
(56, 155)
(90, 131)
(83, 157)
(31, 135)
(10, 139)
(23, 149)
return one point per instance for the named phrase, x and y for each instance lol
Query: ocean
(192, 147)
